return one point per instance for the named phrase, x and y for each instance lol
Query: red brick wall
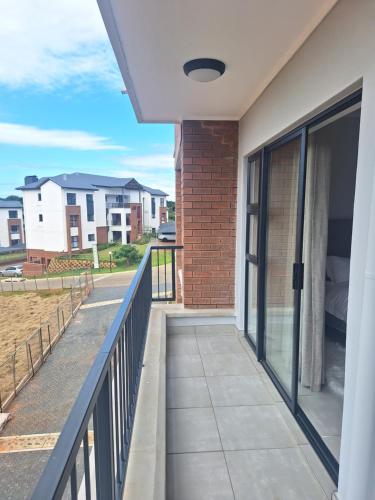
(208, 162)
(135, 221)
(179, 239)
(163, 214)
(102, 234)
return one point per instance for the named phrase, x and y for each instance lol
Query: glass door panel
(252, 249)
(283, 172)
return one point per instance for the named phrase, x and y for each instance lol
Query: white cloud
(26, 135)
(149, 161)
(48, 43)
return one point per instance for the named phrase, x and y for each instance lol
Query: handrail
(59, 468)
(109, 395)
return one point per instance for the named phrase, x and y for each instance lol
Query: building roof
(154, 192)
(10, 204)
(90, 182)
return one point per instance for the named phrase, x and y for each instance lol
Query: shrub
(147, 236)
(126, 254)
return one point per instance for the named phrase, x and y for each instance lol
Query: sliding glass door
(282, 202)
(299, 217)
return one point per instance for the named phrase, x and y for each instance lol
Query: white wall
(50, 234)
(87, 227)
(4, 233)
(337, 57)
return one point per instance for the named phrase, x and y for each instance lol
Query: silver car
(15, 271)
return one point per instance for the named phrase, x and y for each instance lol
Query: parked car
(15, 271)
(167, 231)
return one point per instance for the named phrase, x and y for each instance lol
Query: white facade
(46, 217)
(15, 237)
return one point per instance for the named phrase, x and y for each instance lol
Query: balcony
(176, 406)
(117, 205)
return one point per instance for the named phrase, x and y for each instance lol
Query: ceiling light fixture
(204, 70)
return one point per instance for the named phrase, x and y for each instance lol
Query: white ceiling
(152, 39)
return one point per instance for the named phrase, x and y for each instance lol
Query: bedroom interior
(329, 202)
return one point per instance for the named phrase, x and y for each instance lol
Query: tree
(171, 207)
(12, 197)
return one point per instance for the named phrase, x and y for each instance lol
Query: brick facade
(135, 221)
(206, 193)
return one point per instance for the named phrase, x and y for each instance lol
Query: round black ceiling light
(204, 70)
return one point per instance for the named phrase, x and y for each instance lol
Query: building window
(116, 219)
(74, 220)
(13, 214)
(119, 198)
(153, 208)
(14, 229)
(90, 207)
(74, 241)
(39, 196)
(91, 237)
(128, 219)
(40, 217)
(13, 243)
(162, 202)
(71, 199)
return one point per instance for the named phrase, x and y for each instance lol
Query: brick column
(179, 239)
(208, 160)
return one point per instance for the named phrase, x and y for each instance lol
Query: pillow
(338, 269)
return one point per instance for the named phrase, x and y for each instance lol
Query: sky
(61, 106)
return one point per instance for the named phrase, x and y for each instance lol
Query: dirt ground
(21, 313)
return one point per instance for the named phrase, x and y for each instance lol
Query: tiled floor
(229, 435)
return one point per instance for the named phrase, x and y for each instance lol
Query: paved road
(43, 405)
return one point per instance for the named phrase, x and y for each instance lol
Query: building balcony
(117, 205)
(179, 393)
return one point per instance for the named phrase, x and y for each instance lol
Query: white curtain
(315, 255)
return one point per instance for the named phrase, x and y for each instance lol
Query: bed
(337, 284)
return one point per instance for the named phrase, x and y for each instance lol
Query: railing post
(173, 275)
(103, 434)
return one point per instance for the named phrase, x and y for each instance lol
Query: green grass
(12, 257)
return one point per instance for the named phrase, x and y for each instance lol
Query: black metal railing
(164, 272)
(91, 455)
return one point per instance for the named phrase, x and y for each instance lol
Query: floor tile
(192, 429)
(228, 364)
(274, 393)
(237, 390)
(290, 421)
(182, 344)
(318, 470)
(324, 410)
(252, 427)
(188, 392)
(180, 330)
(198, 476)
(215, 329)
(217, 344)
(185, 365)
(277, 474)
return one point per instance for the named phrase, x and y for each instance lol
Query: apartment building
(69, 212)
(11, 223)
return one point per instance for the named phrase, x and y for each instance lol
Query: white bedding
(337, 299)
